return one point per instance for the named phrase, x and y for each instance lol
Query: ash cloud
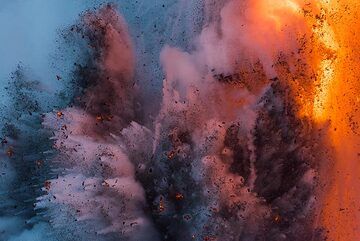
(213, 171)
(226, 158)
(25, 149)
(98, 190)
(228, 118)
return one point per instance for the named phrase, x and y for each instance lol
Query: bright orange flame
(326, 36)
(331, 98)
(337, 100)
(323, 76)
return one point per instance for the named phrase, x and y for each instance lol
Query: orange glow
(326, 36)
(341, 213)
(327, 91)
(336, 100)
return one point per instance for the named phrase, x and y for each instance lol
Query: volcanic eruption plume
(253, 134)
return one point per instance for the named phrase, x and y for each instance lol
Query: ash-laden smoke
(96, 192)
(25, 151)
(228, 137)
(227, 158)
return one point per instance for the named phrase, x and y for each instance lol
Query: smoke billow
(228, 118)
(97, 188)
(228, 158)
